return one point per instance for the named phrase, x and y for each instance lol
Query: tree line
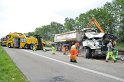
(110, 16)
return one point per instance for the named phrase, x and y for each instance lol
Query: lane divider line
(79, 67)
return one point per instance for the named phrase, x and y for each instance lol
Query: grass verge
(8, 70)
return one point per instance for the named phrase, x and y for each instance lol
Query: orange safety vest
(73, 54)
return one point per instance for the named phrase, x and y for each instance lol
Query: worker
(110, 51)
(34, 47)
(73, 54)
(53, 49)
(77, 47)
(115, 50)
(64, 49)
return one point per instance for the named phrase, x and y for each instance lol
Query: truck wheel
(31, 46)
(9, 45)
(44, 49)
(86, 53)
(26, 46)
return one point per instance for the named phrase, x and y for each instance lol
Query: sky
(26, 15)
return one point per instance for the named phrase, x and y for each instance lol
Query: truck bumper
(100, 53)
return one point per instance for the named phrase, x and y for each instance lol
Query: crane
(94, 21)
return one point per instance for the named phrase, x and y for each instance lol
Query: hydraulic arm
(94, 21)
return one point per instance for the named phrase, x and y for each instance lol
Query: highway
(40, 66)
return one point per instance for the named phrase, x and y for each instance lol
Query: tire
(86, 53)
(26, 46)
(31, 46)
(44, 50)
(9, 45)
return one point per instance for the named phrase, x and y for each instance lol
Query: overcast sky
(25, 15)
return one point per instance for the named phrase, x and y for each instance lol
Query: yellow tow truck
(16, 40)
(3, 41)
(19, 40)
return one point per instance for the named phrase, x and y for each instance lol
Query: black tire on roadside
(86, 52)
(9, 45)
(26, 46)
(31, 46)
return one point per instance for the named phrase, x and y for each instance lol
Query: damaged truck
(92, 43)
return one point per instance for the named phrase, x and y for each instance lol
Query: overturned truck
(91, 42)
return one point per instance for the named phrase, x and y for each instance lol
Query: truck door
(16, 42)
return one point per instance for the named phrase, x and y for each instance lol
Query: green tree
(110, 17)
(69, 24)
(30, 34)
(48, 31)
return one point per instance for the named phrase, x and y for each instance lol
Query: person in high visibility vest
(34, 47)
(77, 47)
(73, 54)
(53, 50)
(115, 50)
(110, 52)
(64, 49)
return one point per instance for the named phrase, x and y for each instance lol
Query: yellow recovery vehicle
(19, 40)
(16, 40)
(3, 41)
(30, 41)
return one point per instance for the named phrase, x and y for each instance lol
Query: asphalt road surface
(40, 66)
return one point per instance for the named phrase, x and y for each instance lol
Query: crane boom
(93, 20)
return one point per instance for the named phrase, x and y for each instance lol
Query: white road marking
(79, 67)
